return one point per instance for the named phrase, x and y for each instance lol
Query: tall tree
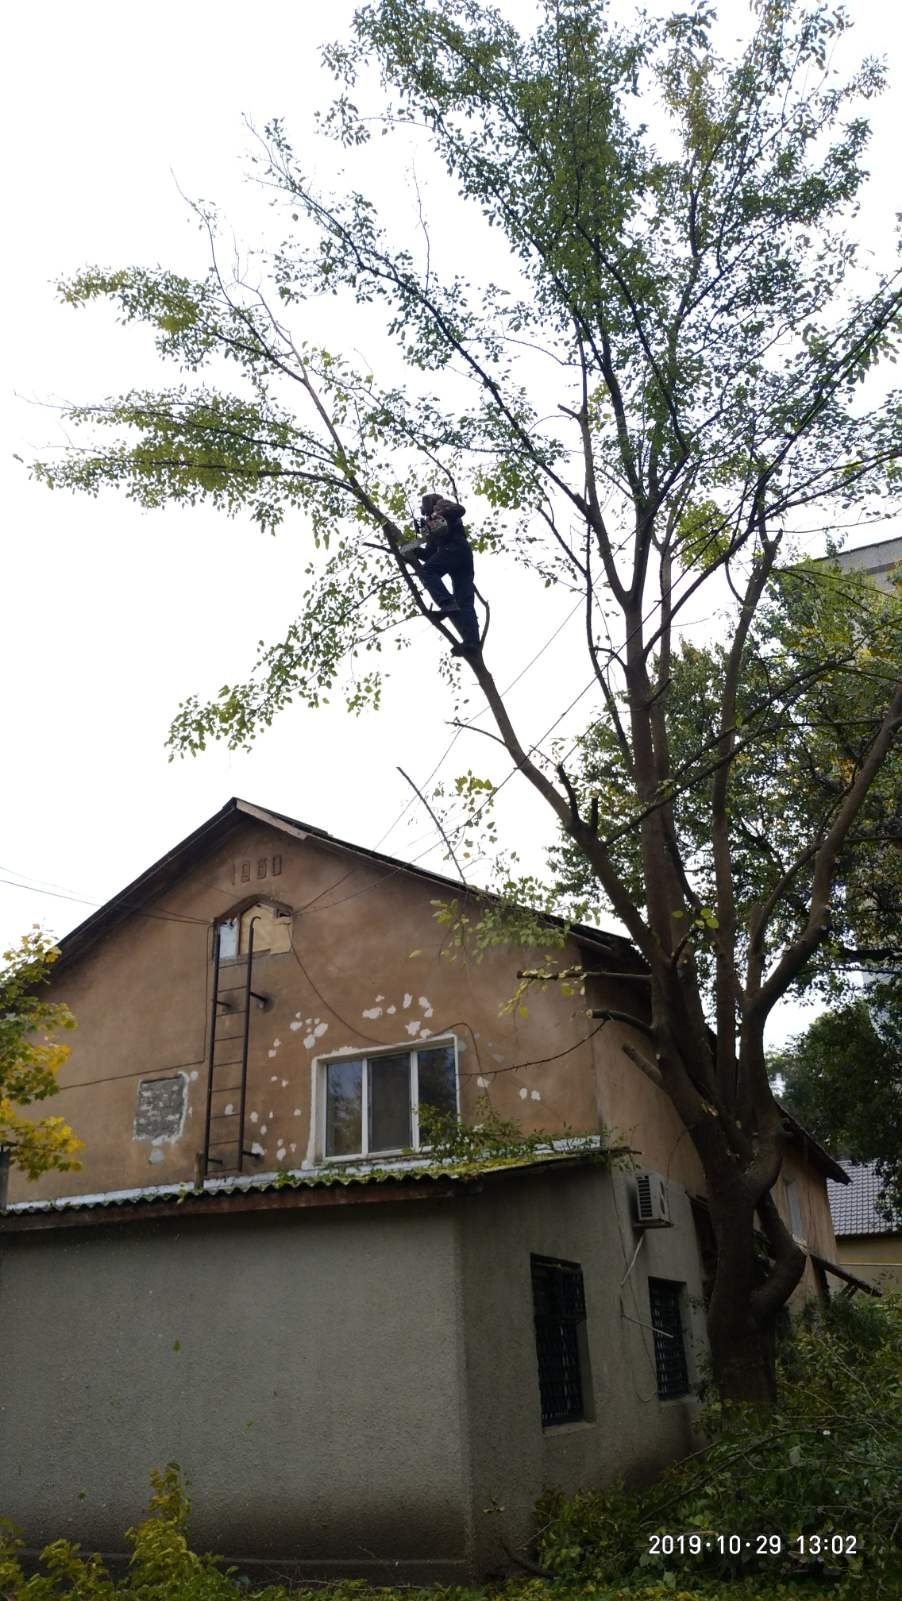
(30, 1059)
(843, 1079)
(786, 781)
(694, 303)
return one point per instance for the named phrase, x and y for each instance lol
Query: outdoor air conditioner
(652, 1202)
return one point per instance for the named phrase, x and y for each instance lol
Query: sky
(112, 615)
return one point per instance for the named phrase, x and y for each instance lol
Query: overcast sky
(112, 615)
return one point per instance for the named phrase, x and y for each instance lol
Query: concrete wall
(347, 1387)
(585, 1217)
(304, 1370)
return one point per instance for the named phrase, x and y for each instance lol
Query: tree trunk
(744, 1363)
(747, 1296)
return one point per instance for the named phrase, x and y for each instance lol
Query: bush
(162, 1565)
(827, 1461)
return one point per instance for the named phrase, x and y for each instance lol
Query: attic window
(272, 931)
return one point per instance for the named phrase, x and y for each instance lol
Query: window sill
(554, 1431)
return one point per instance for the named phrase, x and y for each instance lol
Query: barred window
(559, 1305)
(670, 1350)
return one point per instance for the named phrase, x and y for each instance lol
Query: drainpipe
(4, 1176)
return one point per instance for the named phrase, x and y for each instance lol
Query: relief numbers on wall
(260, 867)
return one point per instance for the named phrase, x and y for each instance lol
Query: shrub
(827, 1461)
(162, 1565)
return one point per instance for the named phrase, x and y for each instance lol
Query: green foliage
(822, 649)
(672, 375)
(492, 1140)
(30, 1059)
(671, 272)
(588, 1543)
(828, 1460)
(162, 1567)
(842, 1079)
(509, 917)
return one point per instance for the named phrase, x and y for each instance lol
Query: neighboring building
(365, 1361)
(881, 561)
(868, 1243)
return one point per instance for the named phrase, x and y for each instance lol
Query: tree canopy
(675, 375)
(30, 1059)
(837, 640)
(842, 1078)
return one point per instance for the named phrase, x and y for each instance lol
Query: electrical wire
(163, 917)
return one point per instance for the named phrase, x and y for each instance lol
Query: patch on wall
(160, 1112)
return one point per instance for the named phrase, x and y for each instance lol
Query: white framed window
(370, 1105)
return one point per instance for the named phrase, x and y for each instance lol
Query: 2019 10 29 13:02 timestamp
(744, 1545)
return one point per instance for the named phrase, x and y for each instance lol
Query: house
(868, 1243)
(881, 561)
(366, 1360)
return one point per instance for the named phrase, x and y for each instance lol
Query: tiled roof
(854, 1208)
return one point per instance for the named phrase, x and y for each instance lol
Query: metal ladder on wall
(230, 1031)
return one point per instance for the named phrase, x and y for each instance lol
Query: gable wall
(141, 998)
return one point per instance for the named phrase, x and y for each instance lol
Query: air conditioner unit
(652, 1202)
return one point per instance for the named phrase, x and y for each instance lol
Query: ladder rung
(232, 1062)
(225, 1089)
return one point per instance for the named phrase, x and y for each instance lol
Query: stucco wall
(586, 1217)
(142, 1001)
(304, 1370)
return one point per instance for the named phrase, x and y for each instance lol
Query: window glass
(344, 1108)
(389, 1106)
(794, 1207)
(438, 1080)
(228, 940)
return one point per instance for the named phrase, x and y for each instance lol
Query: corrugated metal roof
(345, 1177)
(855, 1209)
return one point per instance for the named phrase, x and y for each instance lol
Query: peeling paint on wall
(160, 1109)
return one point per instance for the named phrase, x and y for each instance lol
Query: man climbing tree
(673, 379)
(447, 553)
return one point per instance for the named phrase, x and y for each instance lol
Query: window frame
(578, 1323)
(679, 1298)
(793, 1192)
(412, 1049)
